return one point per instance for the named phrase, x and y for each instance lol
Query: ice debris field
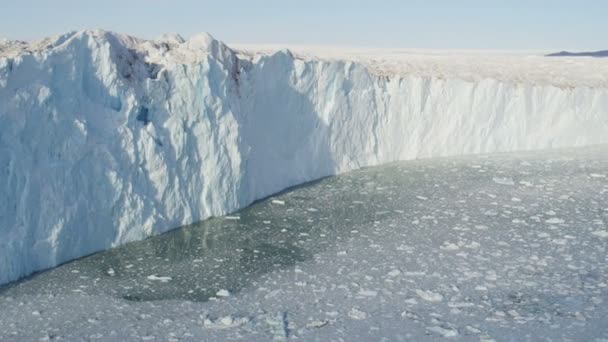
(107, 138)
(508, 247)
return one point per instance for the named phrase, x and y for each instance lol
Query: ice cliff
(106, 138)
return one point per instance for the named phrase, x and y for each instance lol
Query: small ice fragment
(429, 296)
(411, 301)
(473, 329)
(460, 304)
(597, 175)
(317, 324)
(422, 198)
(368, 293)
(554, 220)
(357, 314)
(232, 217)
(444, 332)
(513, 313)
(225, 322)
(473, 245)
(601, 234)
(223, 293)
(448, 246)
(503, 181)
(154, 277)
(279, 202)
(312, 210)
(111, 272)
(394, 273)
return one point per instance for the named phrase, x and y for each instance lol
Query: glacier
(107, 138)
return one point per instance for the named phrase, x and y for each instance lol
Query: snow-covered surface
(530, 67)
(106, 138)
(414, 251)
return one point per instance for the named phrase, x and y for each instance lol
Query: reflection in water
(229, 254)
(196, 261)
(200, 259)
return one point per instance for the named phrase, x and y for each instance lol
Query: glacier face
(106, 139)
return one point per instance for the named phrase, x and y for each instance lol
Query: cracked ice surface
(422, 250)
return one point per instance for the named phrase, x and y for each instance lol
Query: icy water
(509, 247)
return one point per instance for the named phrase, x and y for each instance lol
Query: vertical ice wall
(105, 139)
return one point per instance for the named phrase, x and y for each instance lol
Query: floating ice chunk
(444, 332)
(513, 313)
(394, 273)
(460, 304)
(448, 246)
(155, 277)
(368, 293)
(422, 198)
(111, 272)
(601, 234)
(473, 329)
(473, 245)
(225, 322)
(223, 293)
(503, 180)
(356, 313)
(411, 301)
(232, 217)
(279, 202)
(429, 296)
(555, 220)
(597, 175)
(317, 324)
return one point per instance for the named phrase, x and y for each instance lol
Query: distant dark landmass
(603, 53)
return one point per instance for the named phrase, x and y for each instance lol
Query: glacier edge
(106, 139)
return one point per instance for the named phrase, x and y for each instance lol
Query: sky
(448, 24)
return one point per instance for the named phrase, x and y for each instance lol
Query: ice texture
(106, 138)
(367, 266)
